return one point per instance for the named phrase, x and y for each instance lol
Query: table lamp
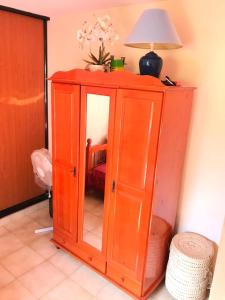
(153, 30)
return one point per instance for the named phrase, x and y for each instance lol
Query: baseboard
(17, 207)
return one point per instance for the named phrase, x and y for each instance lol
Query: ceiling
(60, 7)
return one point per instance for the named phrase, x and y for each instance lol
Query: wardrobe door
(137, 123)
(65, 130)
(95, 161)
(22, 105)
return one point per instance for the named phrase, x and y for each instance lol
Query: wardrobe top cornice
(123, 79)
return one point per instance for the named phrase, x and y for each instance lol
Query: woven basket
(189, 265)
(158, 247)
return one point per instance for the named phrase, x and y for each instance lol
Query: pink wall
(199, 63)
(217, 290)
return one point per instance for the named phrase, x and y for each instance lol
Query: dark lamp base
(150, 64)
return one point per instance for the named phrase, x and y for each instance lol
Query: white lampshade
(155, 30)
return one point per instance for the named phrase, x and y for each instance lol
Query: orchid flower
(100, 32)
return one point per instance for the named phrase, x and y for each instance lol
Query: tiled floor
(93, 220)
(32, 268)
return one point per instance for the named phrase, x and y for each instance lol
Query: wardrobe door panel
(96, 133)
(65, 126)
(64, 189)
(134, 154)
(22, 107)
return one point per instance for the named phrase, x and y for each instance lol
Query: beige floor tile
(111, 292)
(15, 291)
(98, 231)
(161, 293)
(38, 277)
(121, 295)
(91, 221)
(8, 244)
(43, 246)
(16, 223)
(98, 210)
(21, 261)
(40, 213)
(44, 203)
(91, 202)
(65, 262)
(93, 239)
(4, 221)
(3, 230)
(89, 280)
(107, 292)
(5, 277)
(68, 290)
(41, 279)
(31, 209)
(17, 215)
(48, 235)
(26, 233)
(45, 221)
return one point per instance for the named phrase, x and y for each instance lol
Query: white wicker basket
(189, 266)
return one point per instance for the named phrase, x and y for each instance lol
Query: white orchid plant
(100, 32)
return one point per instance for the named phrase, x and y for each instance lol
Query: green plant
(103, 57)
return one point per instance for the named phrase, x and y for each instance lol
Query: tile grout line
(53, 287)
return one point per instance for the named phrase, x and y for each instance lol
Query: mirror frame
(81, 244)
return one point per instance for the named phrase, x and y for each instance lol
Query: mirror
(96, 157)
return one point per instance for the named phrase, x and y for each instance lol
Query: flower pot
(94, 68)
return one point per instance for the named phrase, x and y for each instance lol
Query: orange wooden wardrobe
(123, 230)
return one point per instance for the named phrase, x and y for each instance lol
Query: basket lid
(193, 245)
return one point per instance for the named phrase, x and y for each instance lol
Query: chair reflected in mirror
(94, 192)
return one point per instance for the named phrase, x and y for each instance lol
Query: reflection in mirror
(96, 154)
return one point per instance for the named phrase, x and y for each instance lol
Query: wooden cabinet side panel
(171, 152)
(65, 127)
